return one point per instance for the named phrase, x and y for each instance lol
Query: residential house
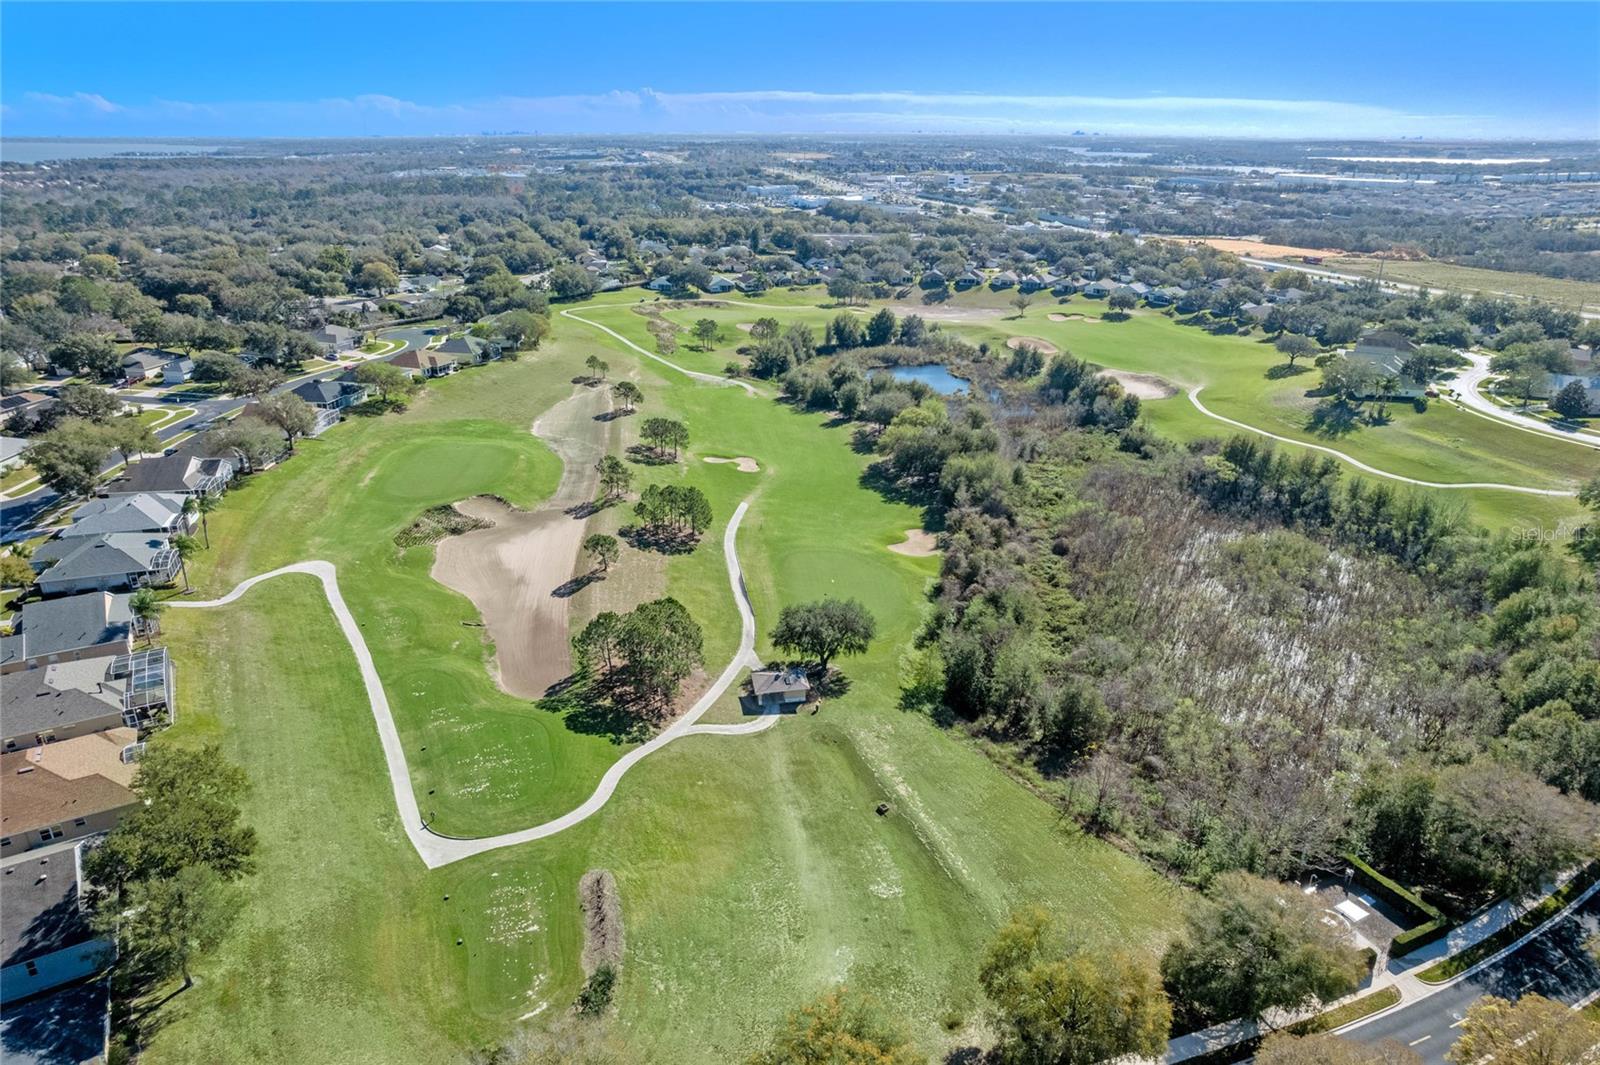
(424, 362)
(89, 625)
(68, 1026)
(779, 687)
(178, 371)
(331, 398)
(1589, 381)
(469, 349)
(110, 562)
(1162, 297)
(66, 790)
(1004, 279)
(22, 405)
(660, 284)
(1256, 311)
(144, 512)
(1097, 290)
(184, 472)
(143, 362)
(335, 339)
(968, 279)
(11, 448)
(649, 246)
(1386, 352)
(932, 278)
(64, 700)
(45, 936)
(719, 283)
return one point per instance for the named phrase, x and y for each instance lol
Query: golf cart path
(1194, 397)
(436, 850)
(709, 378)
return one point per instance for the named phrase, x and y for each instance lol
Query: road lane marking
(1424, 1039)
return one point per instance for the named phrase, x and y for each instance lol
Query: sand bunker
(1071, 318)
(512, 569)
(1039, 344)
(934, 312)
(745, 327)
(1143, 385)
(745, 463)
(918, 543)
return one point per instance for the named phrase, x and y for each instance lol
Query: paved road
(1386, 284)
(436, 850)
(1555, 965)
(17, 515)
(1467, 384)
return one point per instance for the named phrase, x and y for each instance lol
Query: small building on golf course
(780, 687)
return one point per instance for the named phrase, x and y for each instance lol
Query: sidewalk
(1401, 973)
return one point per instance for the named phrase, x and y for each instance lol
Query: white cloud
(754, 111)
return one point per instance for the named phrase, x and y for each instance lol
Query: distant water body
(51, 149)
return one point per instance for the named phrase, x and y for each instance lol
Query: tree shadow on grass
(666, 541)
(612, 415)
(1334, 419)
(1284, 370)
(589, 508)
(594, 707)
(646, 455)
(577, 584)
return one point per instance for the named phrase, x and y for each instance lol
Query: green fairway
(754, 871)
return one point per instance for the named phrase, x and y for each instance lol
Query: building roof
(419, 359)
(57, 626)
(779, 681)
(142, 512)
(22, 401)
(60, 695)
(182, 473)
(65, 1027)
(56, 782)
(39, 911)
(149, 359)
(107, 555)
(325, 393)
(465, 344)
(337, 334)
(1386, 338)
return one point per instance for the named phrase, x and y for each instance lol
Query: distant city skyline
(1371, 71)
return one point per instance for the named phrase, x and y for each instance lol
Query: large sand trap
(934, 312)
(510, 571)
(745, 463)
(745, 327)
(1039, 344)
(918, 543)
(1143, 385)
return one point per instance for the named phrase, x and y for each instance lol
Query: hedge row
(1434, 923)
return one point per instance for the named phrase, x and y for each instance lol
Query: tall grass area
(754, 872)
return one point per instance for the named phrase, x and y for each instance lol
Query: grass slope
(753, 871)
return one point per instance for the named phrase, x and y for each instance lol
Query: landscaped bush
(435, 523)
(1433, 921)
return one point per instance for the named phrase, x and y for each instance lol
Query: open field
(753, 872)
(1472, 279)
(1257, 249)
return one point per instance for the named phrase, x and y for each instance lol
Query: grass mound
(435, 523)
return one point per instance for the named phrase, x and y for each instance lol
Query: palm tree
(147, 611)
(187, 547)
(201, 505)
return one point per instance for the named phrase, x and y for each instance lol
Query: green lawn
(754, 871)
(1470, 279)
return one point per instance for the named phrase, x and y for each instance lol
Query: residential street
(1467, 384)
(1556, 965)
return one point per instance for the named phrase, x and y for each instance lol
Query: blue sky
(1476, 70)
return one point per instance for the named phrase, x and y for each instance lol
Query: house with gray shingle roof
(469, 349)
(146, 512)
(182, 473)
(89, 625)
(109, 562)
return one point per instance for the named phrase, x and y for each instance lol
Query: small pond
(934, 376)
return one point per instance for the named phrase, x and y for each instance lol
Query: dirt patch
(513, 568)
(1039, 344)
(745, 463)
(435, 523)
(1260, 249)
(602, 920)
(933, 312)
(919, 543)
(1143, 385)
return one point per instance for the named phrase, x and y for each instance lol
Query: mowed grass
(1451, 277)
(754, 871)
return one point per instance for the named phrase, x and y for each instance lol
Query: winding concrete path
(436, 850)
(708, 378)
(1194, 397)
